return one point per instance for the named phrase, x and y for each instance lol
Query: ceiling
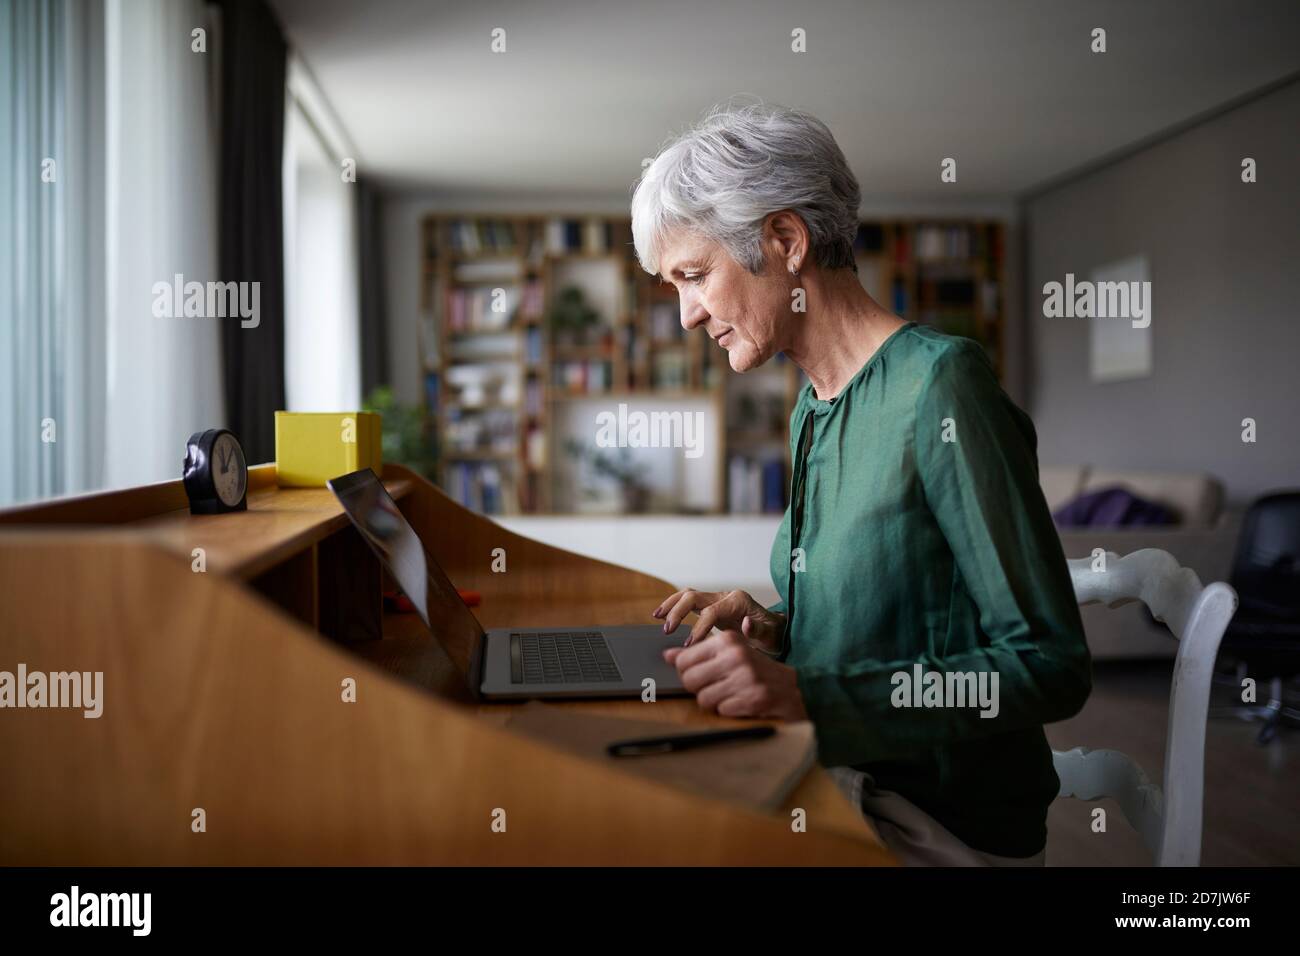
(585, 90)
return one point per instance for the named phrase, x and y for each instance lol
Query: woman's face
(741, 311)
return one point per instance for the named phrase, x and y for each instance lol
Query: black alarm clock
(216, 474)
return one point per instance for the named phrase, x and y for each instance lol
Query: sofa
(1203, 539)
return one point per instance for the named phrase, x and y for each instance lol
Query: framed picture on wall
(1121, 327)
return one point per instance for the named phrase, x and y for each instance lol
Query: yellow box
(313, 447)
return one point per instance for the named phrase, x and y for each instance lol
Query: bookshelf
(508, 353)
(949, 274)
(511, 355)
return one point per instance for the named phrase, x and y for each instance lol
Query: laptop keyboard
(561, 657)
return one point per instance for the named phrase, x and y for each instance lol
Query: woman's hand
(725, 610)
(728, 676)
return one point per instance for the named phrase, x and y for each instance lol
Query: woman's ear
(786, 237)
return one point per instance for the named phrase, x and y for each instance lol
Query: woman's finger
(725, 612)
(688, 601)
(663, 605)
(707, 619)
(708, 671)
(682, 603)
(713, 696)
(684, 658)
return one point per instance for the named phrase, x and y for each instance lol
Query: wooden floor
(1252, 793)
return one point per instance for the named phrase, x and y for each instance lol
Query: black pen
(663, 745)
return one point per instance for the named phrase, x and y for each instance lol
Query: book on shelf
(942, 242)
(572, 235)
(593, 236)
(479, 486)
(902, 249)
(482, 309)
(756, 484)
(900, 296)
(533, 345)
(431, 381)
(533, 404)
(590, 377)
(535, 447)
(529, 498)
(427, 339)
(597, 236)
(666, 322)
(989, 297)
(531, 302)
(476, 236)
(629, 341)
(563, 235)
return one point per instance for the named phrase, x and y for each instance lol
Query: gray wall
(1225, 272)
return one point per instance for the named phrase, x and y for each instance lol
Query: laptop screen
(399, 548)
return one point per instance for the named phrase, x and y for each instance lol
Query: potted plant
(571, 317)
(405, 432)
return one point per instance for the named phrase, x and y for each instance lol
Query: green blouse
(918, 566)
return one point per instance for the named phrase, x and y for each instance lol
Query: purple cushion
(1111, 508)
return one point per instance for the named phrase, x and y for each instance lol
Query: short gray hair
(724, 176)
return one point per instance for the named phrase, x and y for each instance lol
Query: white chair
(1168, 820)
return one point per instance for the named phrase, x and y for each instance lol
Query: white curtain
(51, 128)
(107, 187)
(163, 374)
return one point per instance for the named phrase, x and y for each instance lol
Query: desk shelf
(222, 690)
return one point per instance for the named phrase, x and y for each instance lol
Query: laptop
(507, 663)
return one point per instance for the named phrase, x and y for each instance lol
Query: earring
(794, 270)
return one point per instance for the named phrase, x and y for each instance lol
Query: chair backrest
(1168, 820)
(1266, 569)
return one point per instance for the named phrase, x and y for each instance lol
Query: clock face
(229, 471)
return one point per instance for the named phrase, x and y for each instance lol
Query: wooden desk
(223, 691)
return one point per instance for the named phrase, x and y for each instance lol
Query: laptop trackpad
(603, 662)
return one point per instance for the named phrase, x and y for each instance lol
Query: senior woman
(927, 625)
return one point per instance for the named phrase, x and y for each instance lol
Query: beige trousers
(911, 834)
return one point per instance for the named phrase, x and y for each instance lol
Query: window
(322, 305)
(107, 189)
